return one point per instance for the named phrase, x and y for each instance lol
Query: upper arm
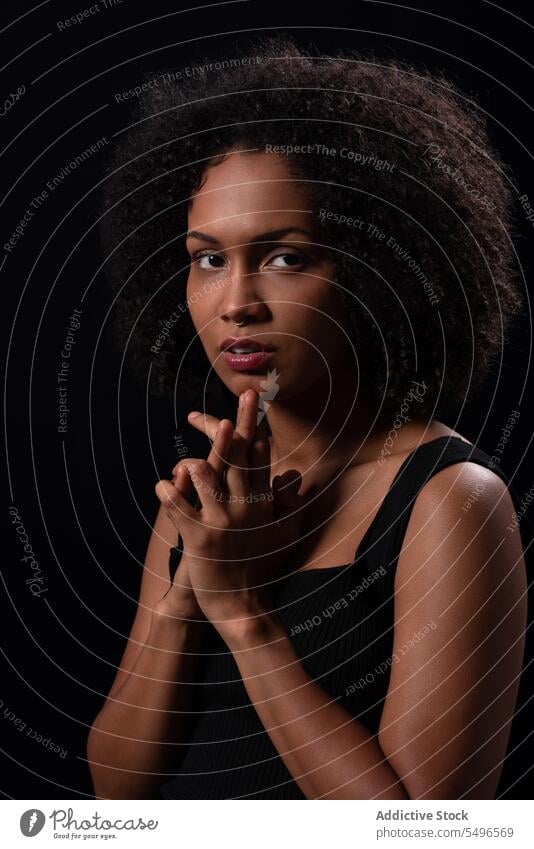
(460, 619)
(154, 584)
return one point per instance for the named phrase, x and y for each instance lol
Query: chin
(250, 380)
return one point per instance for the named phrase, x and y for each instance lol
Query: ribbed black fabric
(340, 621)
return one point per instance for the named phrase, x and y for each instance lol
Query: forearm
(330, 754)
(136, 734)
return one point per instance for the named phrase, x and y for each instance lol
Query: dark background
(86, 497)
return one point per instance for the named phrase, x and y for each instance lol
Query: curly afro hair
(404, 185)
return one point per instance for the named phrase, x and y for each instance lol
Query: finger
(247, 413)
(259, 455)
(219, 455)
(182, 481)
(208, 487)
(243, 432)
(285, 488)
(237, 477)
(185, 486)
(210, 426)
(205, 423)
(176, 505)
(217, 458)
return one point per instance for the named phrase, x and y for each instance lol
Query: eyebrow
(271, 236)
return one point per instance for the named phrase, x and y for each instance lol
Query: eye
(294, 259)
(199, 258)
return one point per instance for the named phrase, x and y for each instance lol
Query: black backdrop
(85, 497)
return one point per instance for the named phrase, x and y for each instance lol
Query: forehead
(256, 185)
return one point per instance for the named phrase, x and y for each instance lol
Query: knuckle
(170, 505)
(238, 451)
(161, 491)
(194, 467)
(220, 522)
(240, 514)
(181, 463)
(224, 523)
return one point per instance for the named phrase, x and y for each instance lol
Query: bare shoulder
(466, 513)
(464, 489)
(460, 619)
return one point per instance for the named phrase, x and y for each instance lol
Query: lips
(247, 362)
(245, 344)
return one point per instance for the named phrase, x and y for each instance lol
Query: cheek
(320, 315)
(313, 340)
(197, 304)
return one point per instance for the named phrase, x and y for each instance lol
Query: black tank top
(340, 621)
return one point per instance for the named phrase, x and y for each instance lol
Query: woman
(347, 605)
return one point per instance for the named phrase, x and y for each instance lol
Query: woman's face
(254, 259)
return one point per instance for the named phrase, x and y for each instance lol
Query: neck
(325, 426)
(330, 427)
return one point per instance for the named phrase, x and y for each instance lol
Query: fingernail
(194, 415)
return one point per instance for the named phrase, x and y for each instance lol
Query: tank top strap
(387, 531)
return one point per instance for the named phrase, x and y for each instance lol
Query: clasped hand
(239, 541)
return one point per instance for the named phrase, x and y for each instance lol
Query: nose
(241, 299)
